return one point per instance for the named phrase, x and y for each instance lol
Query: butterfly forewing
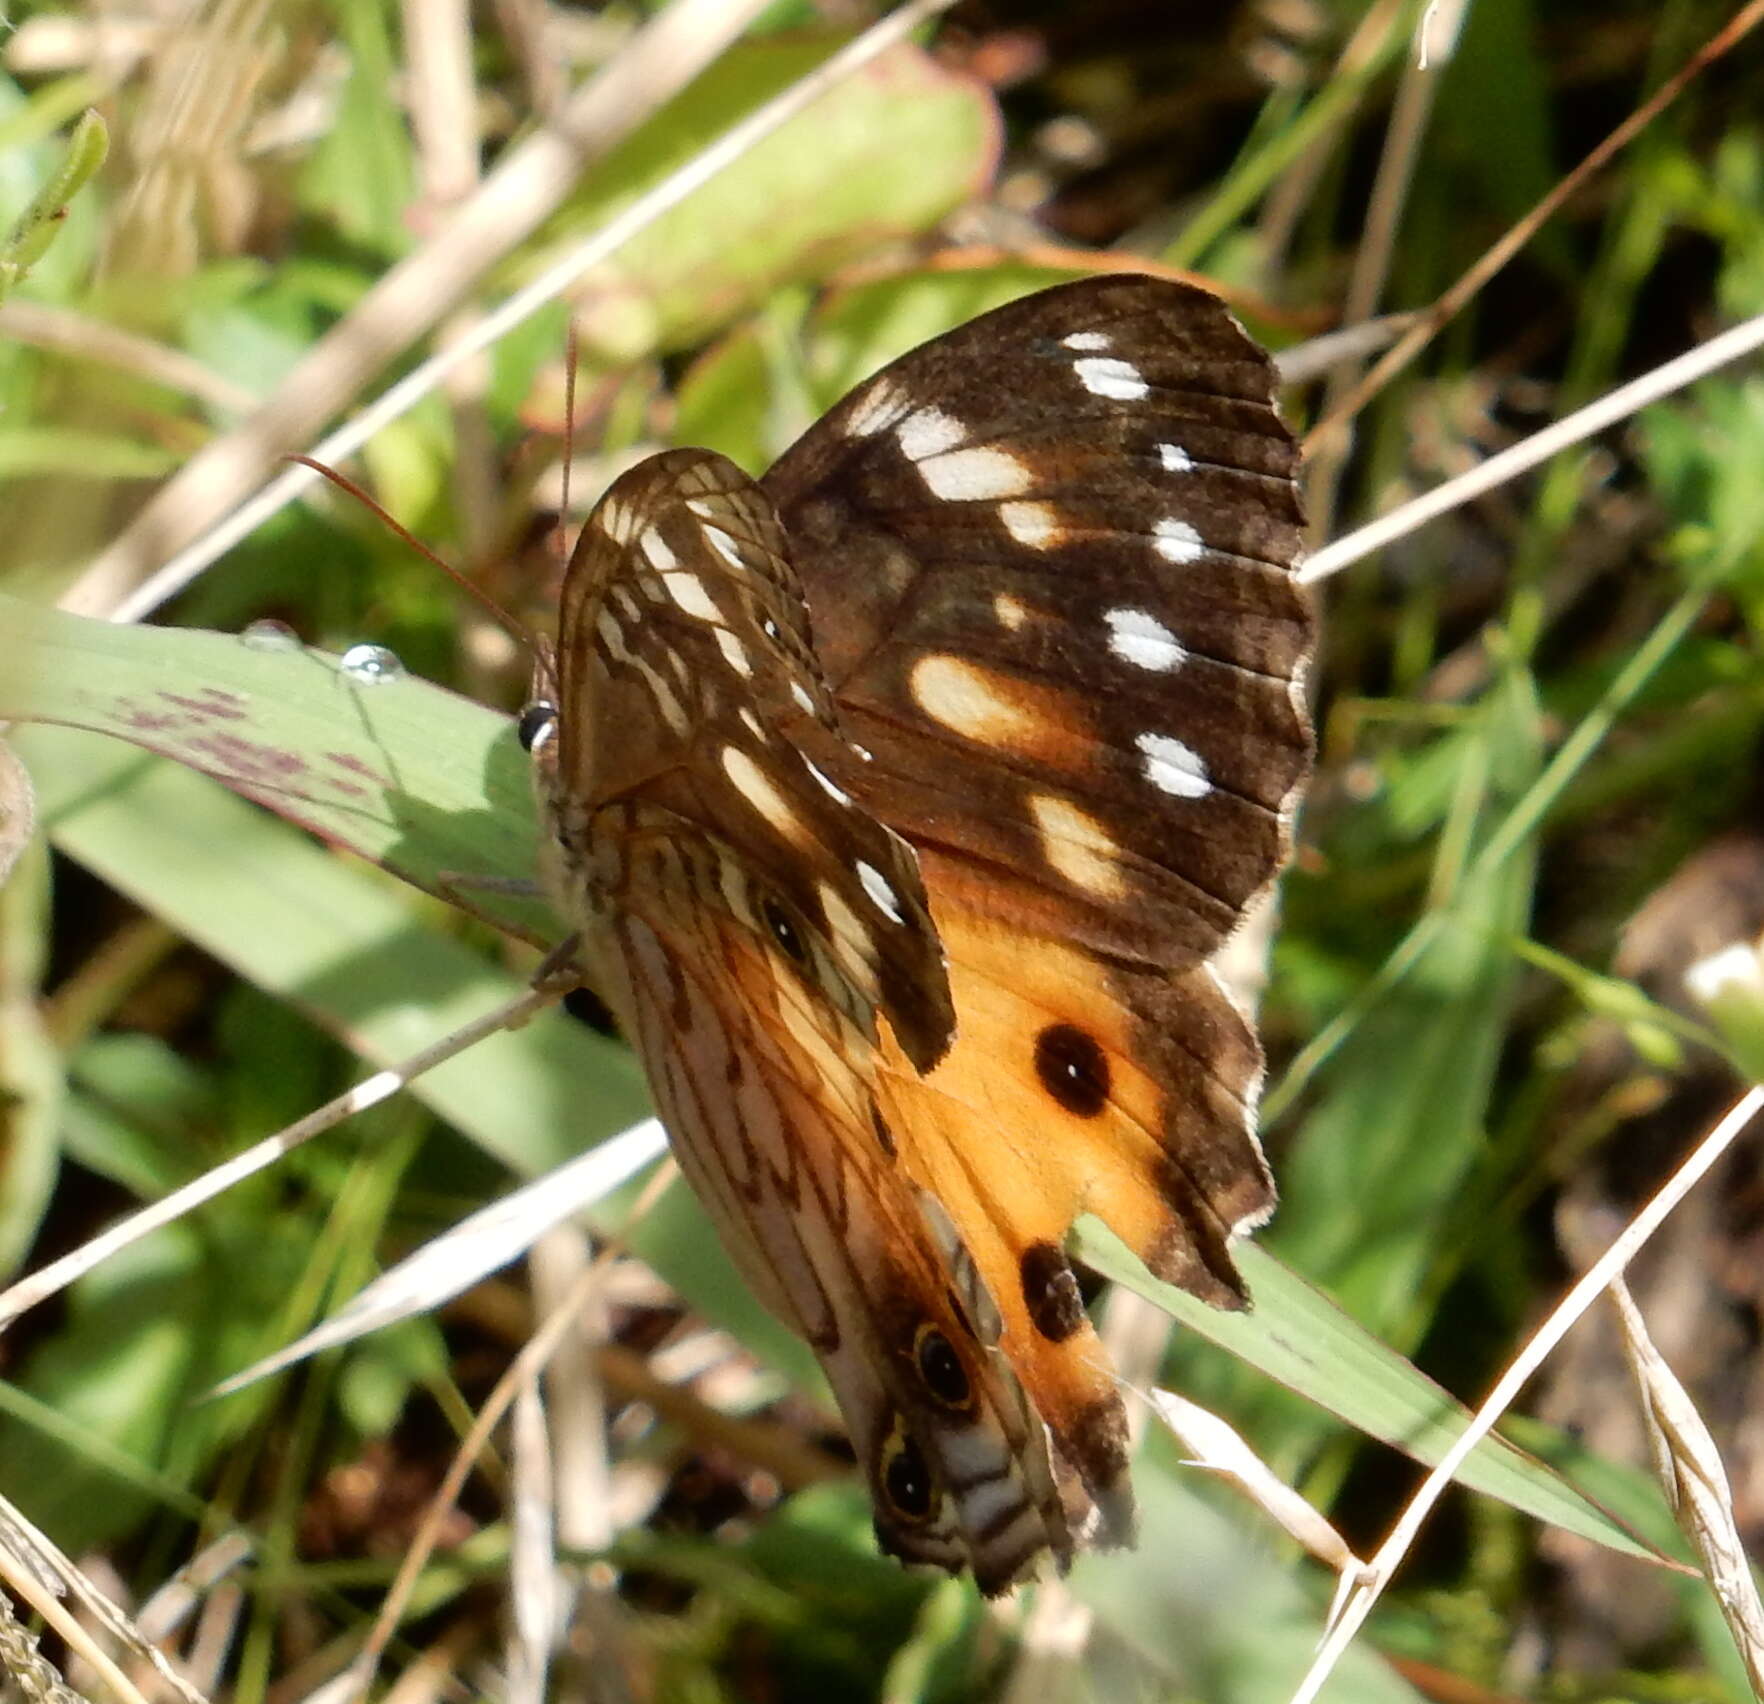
(1049, 562)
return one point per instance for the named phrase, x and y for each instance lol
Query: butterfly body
(901, 799)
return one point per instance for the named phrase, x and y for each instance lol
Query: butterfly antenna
(569, 436)
(515, 629)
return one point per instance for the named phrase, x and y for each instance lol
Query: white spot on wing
(612, 635)
(985, 1502)
(756, 787)
(974, 476)
(1174, 768)
(753, 723)
(963, 696)
(687, 590)
(734, 653)
(1175, 458)
(1085, 340)
(838, 794)
(803, 696)
(876, 885)
(928, 432)
(615, 520)
(723, 545)
(851, 936)
(1011, 612)
(1078, 846)
(878, 408)
(1136, 636)
(1033, 524)
(657, 550)
(1177, 541)
(1108, 375)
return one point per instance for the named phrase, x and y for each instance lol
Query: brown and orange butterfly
(902, 798)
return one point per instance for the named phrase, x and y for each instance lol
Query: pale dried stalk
(411, 298)
(58, 1274)
(1459, 294)
(1437, 28)
(1690, 1470)
(1383, 1565)
(524, 1369)
(1686, 369)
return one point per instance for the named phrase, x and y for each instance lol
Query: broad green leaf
(1304, 1341)
(828, 187)
(414, 778)
(341, 945)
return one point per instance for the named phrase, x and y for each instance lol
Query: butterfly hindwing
(692, 691)
(759, 936)
(766, 1088)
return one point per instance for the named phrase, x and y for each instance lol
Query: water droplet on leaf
(371, 665)
(268, 635)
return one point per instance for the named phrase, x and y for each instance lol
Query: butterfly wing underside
(762, 938)
(1049, 562)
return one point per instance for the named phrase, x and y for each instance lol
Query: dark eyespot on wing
(1050, 1292)
(1073, 1069)
(907, 1479)
(941, 1369)
(784, 931)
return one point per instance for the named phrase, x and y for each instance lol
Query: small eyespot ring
(538, 721)
(784, 931)
(905, 1478)
(940, 1368)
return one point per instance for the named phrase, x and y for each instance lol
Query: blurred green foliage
(1532, 715)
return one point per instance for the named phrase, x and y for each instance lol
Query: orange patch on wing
(997, 709)
(1013, 1166)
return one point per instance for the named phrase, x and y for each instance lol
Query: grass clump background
(1536, 814)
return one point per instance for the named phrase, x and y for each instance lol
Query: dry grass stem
(220, 475)
(1454, 299)
(474, 1248)
(47, 1281)
(1691, 1472)
(1674, 375)
(1381, 1568)
(1216, 1446)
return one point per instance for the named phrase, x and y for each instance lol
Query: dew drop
(371, 665)
(267, 635)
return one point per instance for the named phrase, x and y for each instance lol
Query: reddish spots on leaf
(228, 756)
(223, 706)
(146, 721)
(356, 766)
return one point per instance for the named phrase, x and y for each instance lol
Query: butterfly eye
(941, 1368)
(537, 724)
(784, 932)
(906, 1478)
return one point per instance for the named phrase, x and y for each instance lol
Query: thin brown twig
(1498, 254)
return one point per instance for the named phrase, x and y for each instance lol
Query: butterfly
(902, 798)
